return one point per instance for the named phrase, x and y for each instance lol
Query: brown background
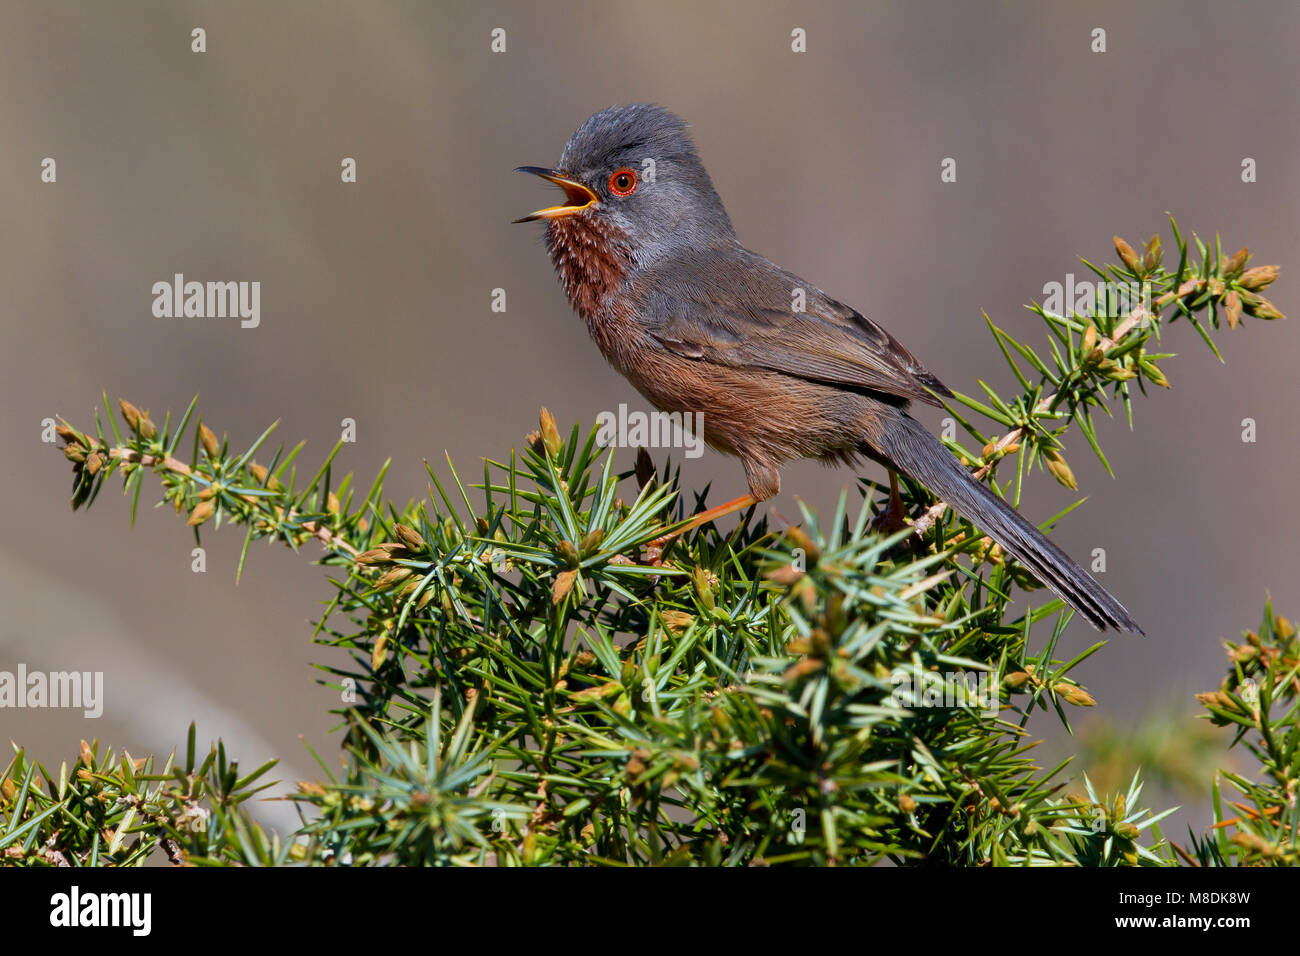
(375, 296)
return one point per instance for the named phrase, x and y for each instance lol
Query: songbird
(776, 368)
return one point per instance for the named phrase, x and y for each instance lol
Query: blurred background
(376, 296)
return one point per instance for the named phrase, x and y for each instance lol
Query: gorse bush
(531, 676)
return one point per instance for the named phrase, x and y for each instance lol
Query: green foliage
(117, 811)
(1259, 695)
(525, 683)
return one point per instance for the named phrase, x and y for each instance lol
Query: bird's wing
(742, 312)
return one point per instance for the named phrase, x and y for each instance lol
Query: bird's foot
(653, 554)
(893, 518)
(655, 550)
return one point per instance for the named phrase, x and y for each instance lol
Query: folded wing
(698, 314)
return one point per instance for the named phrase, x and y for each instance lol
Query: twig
(316, 530)
(1046, 403)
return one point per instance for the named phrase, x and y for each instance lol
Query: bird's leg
(894, 516)
(656, 548)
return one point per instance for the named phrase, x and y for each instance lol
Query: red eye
(623, 183)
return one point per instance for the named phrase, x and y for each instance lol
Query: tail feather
(917, 453)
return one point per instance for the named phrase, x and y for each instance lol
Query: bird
(775, 369)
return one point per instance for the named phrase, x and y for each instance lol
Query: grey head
(635, 168)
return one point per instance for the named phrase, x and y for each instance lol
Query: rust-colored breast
(591, 258)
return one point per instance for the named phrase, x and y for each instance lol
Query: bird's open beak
(578, 197)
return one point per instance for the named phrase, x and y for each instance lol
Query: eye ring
(623, 182)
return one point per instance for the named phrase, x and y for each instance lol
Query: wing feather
(741, 314)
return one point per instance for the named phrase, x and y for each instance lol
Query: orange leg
(656, 548)
(894, 516)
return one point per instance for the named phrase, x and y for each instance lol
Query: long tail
(915, 452)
